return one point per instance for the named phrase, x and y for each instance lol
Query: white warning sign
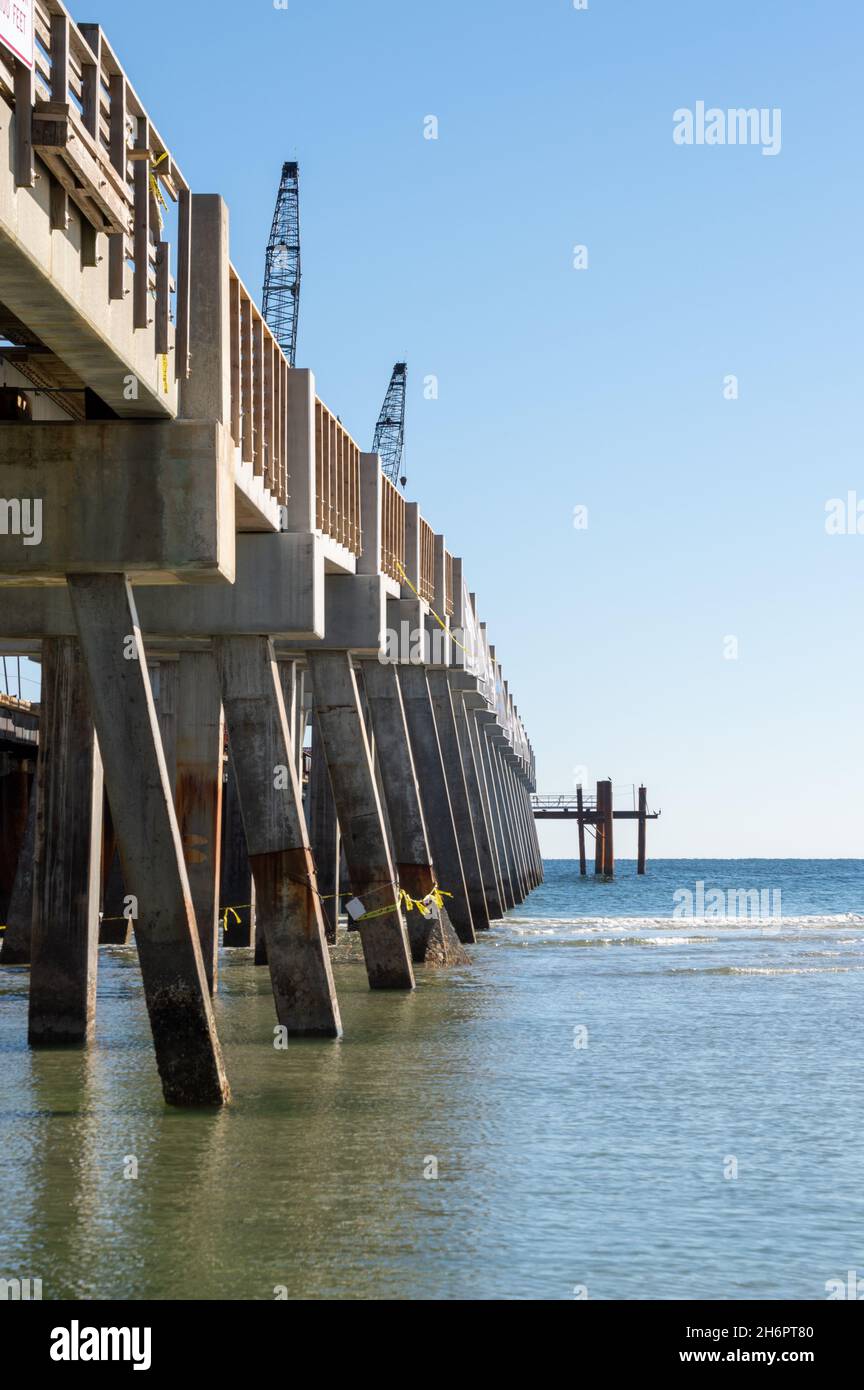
(16, 29)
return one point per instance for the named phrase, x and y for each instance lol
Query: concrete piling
(437, 805)
(164, 681)
(188, 1054)
(497, 765)
(484, 746)
(68, 853)
(199, 740)
(495, 895)
(236, 889)
(288, 908)
(339, 720)
(477, 812)
(115, 927)
(432, 936)
(442, 705)
(15, 949)
(324, 836)
(17, 780)
(512, 800)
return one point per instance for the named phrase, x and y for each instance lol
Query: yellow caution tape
(379, 912)
(440, 621)
(235, 913)
(436, 897)
(403, 899)
(156, 190)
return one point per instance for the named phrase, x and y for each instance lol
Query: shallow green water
(557, 1166)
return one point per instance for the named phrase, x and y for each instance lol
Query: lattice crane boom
(389, 440)
(282, 267)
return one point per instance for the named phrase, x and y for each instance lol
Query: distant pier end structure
(233, 606)
(596, 814)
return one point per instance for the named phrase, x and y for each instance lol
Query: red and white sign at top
(16, 29)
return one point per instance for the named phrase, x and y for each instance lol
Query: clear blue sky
(601, 387)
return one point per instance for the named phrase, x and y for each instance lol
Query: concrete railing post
(412, 548)
(300, 411)
(206, 393)
(371, 525)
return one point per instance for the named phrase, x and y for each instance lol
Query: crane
(282, 266)
(389, 440)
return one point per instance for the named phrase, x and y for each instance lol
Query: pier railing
(259, 376)
(80, 114)
(337, 480)
(426, 587)
(392, 530)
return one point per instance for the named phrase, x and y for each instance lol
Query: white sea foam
(768, 970)
(546, 925)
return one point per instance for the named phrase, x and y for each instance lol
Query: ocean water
(608, 1101)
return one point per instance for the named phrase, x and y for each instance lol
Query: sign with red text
(16, 29)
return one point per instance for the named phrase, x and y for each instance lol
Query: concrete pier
(68, 853)
(217, 562)
(596, 811)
